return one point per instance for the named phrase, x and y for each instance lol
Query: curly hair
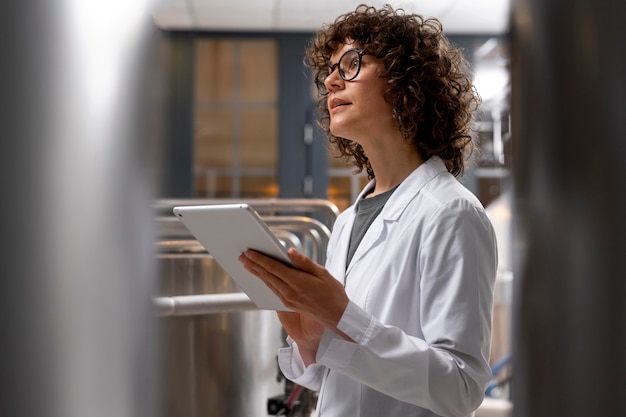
(428, 82)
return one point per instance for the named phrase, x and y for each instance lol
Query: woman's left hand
(308, 288)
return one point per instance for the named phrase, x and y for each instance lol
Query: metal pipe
(190, 248)
(316, 232)
(285, 227)
(265, 206)
(289, 239)
(193, 305)
(169, 227)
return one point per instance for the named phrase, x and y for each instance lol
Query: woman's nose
(334, 80)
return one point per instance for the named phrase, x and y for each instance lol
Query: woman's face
(358, 110)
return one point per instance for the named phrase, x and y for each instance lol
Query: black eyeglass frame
(321, 87)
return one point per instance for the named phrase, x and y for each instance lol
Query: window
(236, 118)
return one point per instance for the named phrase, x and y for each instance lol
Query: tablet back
(227, 230)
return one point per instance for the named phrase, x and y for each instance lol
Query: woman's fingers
(265, 262)
(303, 262)
(308, 288)
(265, 268)
(252, 266)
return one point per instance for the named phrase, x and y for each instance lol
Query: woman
(398, 322)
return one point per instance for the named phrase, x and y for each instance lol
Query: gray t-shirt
(366, 211)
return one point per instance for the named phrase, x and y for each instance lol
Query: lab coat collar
(395, 206)
(408, 189)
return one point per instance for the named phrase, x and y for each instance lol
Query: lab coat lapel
(374, 236)
(380, 228)
(337, 267)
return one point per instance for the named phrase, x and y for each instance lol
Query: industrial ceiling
(457, 16)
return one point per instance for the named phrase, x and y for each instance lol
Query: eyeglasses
(348, 65)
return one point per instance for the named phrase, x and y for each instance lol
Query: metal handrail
(313, 230)
(191, 305)
(289, 239)
(306, 234)
(170, 227)
(264, 206)
(191, 247)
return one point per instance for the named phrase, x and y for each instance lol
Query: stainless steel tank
(218, 352)
(220, 364)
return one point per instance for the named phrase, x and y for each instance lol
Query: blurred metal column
(76, 325)
(569, 105)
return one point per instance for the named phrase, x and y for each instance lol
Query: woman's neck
(392, 163)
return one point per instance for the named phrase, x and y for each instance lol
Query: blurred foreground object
(568, 104)
(77, 327)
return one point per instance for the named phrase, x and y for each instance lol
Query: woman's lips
(337, 102)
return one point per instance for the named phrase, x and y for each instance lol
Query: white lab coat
(421, 291)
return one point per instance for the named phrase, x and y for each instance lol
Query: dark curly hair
(429, 84)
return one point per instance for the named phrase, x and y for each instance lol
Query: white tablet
(226, 231)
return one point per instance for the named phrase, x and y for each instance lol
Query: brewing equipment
(218, 352)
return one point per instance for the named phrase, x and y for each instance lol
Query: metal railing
(264, 206)
(191, 305)
(308, 235)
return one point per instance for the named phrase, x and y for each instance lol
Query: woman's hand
(305, 331)
(307, 289)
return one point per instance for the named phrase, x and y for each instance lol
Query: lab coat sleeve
(447, 370)
(289, 358)
(292, 366)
